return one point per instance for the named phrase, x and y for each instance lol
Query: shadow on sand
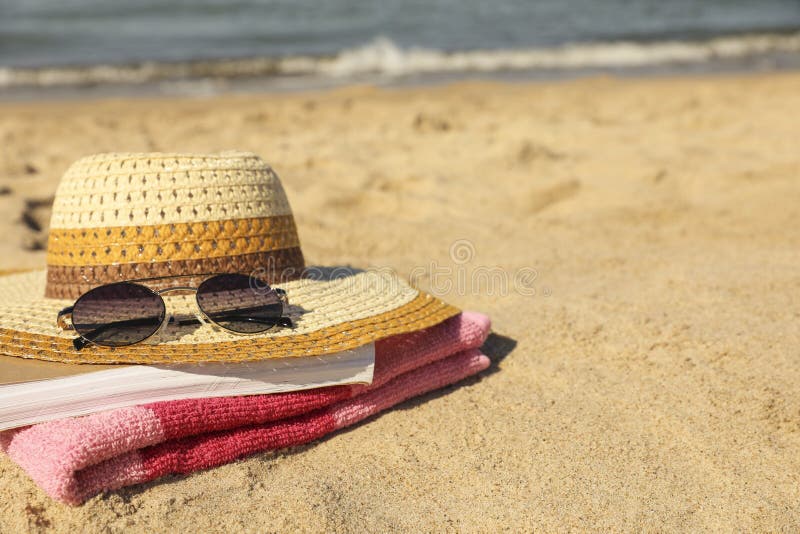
(497, 347)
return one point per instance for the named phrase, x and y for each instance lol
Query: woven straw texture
(134, 216)
(123, 216)
(110, 190)
(75, 458)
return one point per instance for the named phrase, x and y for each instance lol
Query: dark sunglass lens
(120, 314)
(240, 303)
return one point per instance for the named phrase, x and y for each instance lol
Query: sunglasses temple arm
(281, 321)
(88, 337)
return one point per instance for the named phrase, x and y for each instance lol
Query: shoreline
(382, 63)
(210, 88)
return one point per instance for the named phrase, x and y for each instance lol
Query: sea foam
(385, 58)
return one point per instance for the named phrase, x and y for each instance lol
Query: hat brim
(332, 314)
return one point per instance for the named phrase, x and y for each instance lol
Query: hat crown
(132, 216)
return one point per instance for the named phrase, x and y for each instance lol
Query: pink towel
(74, 459)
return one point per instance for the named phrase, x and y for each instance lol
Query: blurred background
(252, 44)
(636, 160)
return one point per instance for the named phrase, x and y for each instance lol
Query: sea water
(80, 42)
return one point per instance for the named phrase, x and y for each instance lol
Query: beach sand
(646, 348)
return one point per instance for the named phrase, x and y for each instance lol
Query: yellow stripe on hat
(175, 241)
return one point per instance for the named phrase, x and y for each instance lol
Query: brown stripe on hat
(273, 267)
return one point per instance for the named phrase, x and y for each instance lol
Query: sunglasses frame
(64, 317)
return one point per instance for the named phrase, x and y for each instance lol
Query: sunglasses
(125, 313)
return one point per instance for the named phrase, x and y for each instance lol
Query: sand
(646, 361)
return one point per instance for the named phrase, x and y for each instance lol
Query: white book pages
(33, 402)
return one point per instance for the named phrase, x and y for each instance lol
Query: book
(34, 391)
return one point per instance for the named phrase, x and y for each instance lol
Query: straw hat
(134, 216)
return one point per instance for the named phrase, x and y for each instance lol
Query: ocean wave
(383, 57)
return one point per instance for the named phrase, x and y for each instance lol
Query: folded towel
(74, 459)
